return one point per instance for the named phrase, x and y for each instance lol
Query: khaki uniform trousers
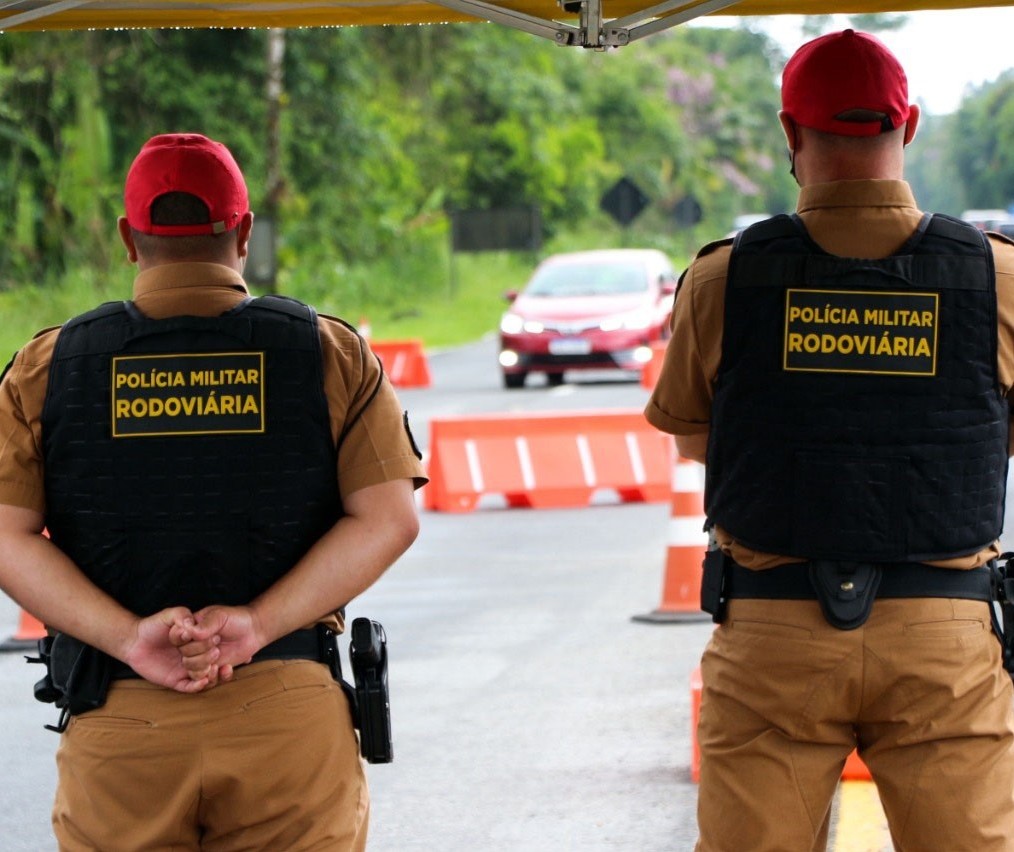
(920, 687)
(268, 761)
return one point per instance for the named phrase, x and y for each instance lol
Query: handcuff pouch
(846, 590)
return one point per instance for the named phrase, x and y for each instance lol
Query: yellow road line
(862, 826)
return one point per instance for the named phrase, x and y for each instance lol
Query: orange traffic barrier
(30, 630)
(688, 542)
(855, 769)
(649, 375)
(547, 460)
(404, 362)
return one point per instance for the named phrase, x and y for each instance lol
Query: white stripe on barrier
(686, 476)
(525, 458)
(636, 463)
(398, 367)
(587, 465)
(687, 531)
(474, 468)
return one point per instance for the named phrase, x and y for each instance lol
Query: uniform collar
(855, 193)
(190, 288)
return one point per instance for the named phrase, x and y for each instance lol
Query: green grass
(466, 305)
(422, 293)
(30, 308)
(455, 311)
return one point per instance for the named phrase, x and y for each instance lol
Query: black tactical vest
(188, 461)
(857, 412)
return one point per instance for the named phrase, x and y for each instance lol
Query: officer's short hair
(180, 208)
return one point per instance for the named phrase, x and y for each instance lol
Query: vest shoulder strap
(707, 249)
(282, 305)
(107, 309)
(942, 225)
(777, 227)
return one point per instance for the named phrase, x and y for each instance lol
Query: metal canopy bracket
(591, 32)
(41, 10)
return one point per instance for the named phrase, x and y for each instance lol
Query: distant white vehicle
(989, 220)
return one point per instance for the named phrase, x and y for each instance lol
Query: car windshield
(588, 279)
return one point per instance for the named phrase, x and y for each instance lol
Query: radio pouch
(713, 585)
(77, 677)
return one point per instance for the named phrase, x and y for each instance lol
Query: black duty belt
(897, 580)
(315, 644)
(846, 590)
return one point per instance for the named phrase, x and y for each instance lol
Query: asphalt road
(530, 712)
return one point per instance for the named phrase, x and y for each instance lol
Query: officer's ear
(243, 231)
(789, 129)
(912, 123)
(127, 238)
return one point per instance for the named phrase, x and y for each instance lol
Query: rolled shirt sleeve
(680, 403)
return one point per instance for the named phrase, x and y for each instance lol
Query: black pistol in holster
(1003, 592)
(76, 680)
(369, 702)
(368, 653)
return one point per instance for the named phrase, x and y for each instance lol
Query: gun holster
(77, 677)
(368, 654)
(1003, 592)
(369, 701)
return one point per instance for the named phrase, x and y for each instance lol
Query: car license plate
(569, 346)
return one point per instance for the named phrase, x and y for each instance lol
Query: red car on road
(589, 310)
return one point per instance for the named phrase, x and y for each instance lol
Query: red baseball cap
(191, 163)
(847, 83)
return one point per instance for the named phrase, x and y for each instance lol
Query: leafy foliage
(385, 129)
(981, 134)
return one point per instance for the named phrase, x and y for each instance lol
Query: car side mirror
(509, 296)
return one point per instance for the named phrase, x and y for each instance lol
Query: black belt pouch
(713, 599)
(846, 591)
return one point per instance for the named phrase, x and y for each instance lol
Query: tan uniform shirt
(376, 450)
(862, 218)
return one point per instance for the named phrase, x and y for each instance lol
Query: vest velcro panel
(188, 461)
(857, 412)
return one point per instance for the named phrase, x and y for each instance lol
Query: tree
(980, 141)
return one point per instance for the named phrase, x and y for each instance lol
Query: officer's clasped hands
(213, 641)
(155, 654)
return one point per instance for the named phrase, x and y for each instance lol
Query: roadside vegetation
(374, 135)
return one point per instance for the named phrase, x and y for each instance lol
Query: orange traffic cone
(855, 769)
(30, 631)
(681, 587)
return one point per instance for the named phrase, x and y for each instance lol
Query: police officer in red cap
(845, 373)
(218, 476)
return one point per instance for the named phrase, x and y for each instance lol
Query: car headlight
(633, 320)
(511, 324)
(534, 327)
